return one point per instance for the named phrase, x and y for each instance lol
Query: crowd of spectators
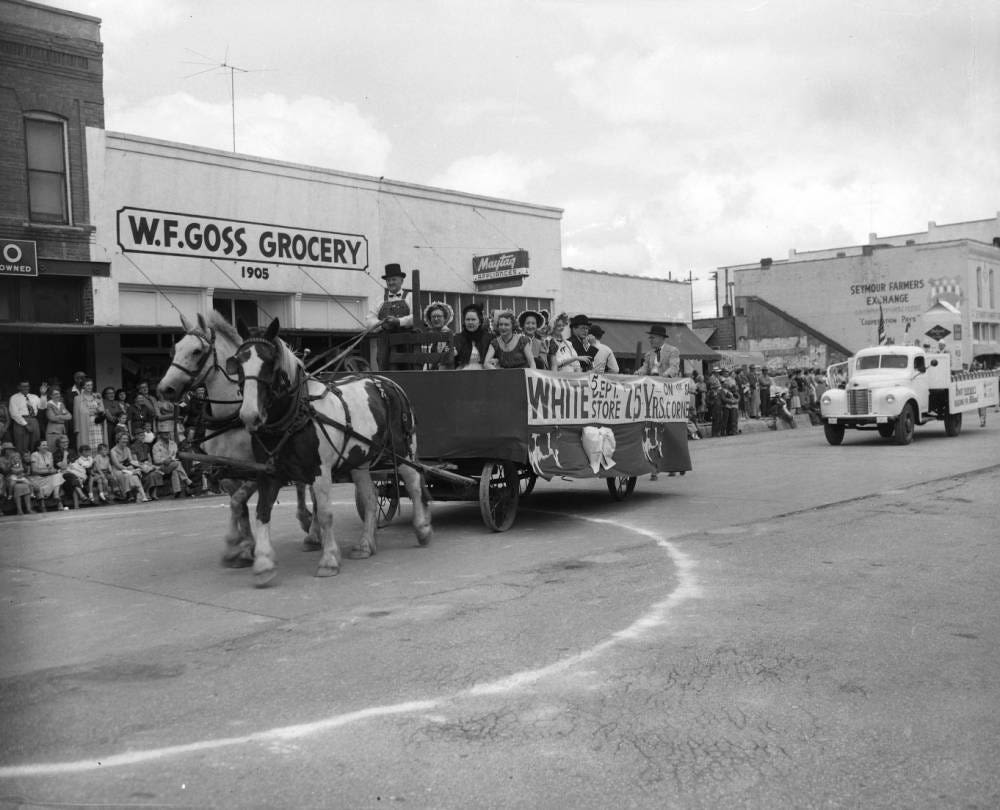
(63, 448)
(727, 395)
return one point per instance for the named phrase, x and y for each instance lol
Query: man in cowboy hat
(395, 313)
(663, 359)
(579, 328)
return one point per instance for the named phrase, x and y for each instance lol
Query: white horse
(199, 359)
(309, 433)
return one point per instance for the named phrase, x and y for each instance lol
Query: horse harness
(302, 411)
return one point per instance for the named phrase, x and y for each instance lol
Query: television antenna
(211, 65)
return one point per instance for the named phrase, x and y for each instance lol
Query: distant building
(941, 286)
(626, 305)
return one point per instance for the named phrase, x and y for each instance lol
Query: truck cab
(889, 389)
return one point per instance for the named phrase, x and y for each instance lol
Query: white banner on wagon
(586, 399)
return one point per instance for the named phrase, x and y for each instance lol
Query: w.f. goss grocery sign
(172, 234)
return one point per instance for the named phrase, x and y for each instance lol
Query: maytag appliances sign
(500, 269)
(172, 234)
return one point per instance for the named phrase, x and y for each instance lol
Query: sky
(677, 136)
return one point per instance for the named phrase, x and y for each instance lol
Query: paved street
(789, 625)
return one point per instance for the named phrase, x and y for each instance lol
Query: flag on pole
(881, 326)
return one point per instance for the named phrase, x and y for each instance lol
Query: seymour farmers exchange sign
(145, 231)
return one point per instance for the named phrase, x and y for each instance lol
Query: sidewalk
(760, 425)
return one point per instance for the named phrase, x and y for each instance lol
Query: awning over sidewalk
(622, 337)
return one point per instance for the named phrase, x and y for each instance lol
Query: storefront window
(45, 142)
(233, 309)
(42, 300)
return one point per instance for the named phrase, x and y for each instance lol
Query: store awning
(622, 337)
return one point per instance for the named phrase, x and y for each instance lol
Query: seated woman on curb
(44, 476)
(126, 471)
(473, 341)
(508, 349)
(15, 478)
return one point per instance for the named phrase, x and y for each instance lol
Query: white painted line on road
(655, 617)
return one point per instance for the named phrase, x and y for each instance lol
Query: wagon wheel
(387, 495)
(499, 492)
(527, 482)
(621, 486)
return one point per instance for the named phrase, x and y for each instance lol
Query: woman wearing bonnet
(437, 318)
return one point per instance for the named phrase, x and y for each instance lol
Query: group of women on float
(523, 341)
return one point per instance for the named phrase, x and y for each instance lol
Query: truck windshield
(872, 361)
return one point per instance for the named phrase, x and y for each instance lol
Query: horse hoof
(327, 571)
(261, 579)
(423, 538)
(239, 561)
(359, 553)
(309, 544)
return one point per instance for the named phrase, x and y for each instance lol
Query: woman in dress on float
(561, 354)
(472, 343)
(437, 318)
(531, 322)
(509, 349)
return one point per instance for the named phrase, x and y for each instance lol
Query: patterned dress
(85, 410)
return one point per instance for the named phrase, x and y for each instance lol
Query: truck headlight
(890, 398)
(826, 399)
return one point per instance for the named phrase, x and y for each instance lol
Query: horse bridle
(273, 391)
(200, 373)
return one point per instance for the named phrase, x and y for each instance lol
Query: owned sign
(145, 231)
(18, 258)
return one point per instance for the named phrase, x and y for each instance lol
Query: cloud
(496, 175)
(309, 130)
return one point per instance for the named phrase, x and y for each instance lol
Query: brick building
(51, 90)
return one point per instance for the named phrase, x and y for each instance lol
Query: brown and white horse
(311, 433)
(199, 359)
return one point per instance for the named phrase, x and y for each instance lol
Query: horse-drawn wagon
(483, 436)
(488, 436)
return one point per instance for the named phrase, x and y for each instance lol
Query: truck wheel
(886, 430)
(904, 426)
(834, 433)
(953, 424)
